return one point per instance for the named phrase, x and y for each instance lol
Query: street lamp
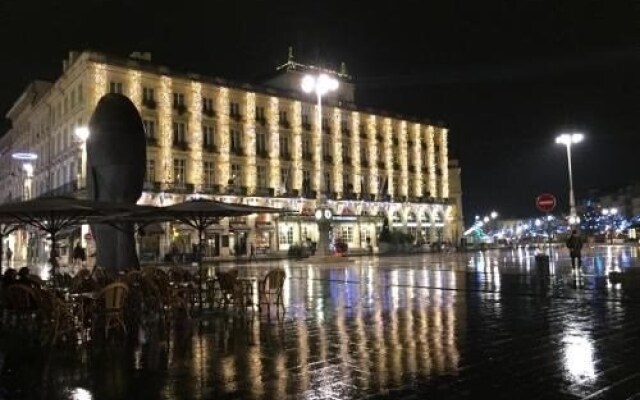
(321, 85)
(568, 139)
(82, 133)
(494, 215)
(610, 214)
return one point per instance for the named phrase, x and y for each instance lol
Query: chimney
(65, 65)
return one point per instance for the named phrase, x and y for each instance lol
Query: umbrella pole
(200, 271)
(53, 259)
(1, 249)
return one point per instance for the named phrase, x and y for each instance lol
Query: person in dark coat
(574, 244)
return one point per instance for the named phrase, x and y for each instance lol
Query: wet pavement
(461, 325)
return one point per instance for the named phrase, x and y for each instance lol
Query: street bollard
(542, 264)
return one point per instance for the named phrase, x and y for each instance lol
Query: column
(249, 141)
(223, 167)
(194, 167)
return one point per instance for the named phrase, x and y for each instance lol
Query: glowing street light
(82, 132)
(321, 85)
(569, 139)
(494, 215)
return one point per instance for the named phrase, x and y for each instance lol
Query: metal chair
(114, 296)
(230, 290)
(270, 289)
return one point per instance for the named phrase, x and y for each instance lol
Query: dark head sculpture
(116, 163)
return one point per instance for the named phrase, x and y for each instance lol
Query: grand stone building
(236, 142)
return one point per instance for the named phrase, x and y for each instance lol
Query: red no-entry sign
(546, 202)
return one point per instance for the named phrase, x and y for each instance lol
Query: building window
(326, 146)
(306, 147)
(284, 119)
(236, 175)
(396, 186)
(115, 87)
(234, 109)
(149, 128)
(208, 136)
(178, 100)
(306, 111)
(261, 172)
(179, 170)
(363, 154)
(346, 151)
(286, 235)
(347, 234)
(344, 122)
(284, 145)
(207, 105)
(261, 142)
(327, 182)
(306, 181)
(148, 95)
(179, 133)
(235, 140)
(260, 114)
(151, 171)
(284, 179)
(80, 93)
(346, 182)
(364, 184)
(209, 173)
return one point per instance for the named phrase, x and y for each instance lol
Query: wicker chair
(114, 296)
(270, 289)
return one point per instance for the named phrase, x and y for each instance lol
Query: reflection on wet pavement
(467, 325)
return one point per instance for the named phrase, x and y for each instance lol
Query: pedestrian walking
(9, 255)
(574, 244)
(252, 254)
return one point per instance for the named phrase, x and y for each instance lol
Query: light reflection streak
(578, 357)
(81, 394)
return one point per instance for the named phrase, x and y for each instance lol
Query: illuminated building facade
(254, 144)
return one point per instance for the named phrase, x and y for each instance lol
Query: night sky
(504, 76)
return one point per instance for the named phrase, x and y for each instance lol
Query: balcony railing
(151, 141)
(307, 156)
(306, 126)
(364, 163)
(149, 103)
(346, 160)
(237, 151)
(284, 123)
(328, 159)
(286, 156)
(379, 138)
(395, 141)
(396, 166)
(261, 120)
(262, 153)
(363, 135)
(211, 189)
(326, 129)
(180, 108)
(180, 145)
(209, 112)
(346, 131)
(67, 188)
(380, 164)
(210, 148)
(412, 168)
(235, 116)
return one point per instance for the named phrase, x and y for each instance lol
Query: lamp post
(321, 85)
(568, 139)
(82, 133)
(610, 214)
